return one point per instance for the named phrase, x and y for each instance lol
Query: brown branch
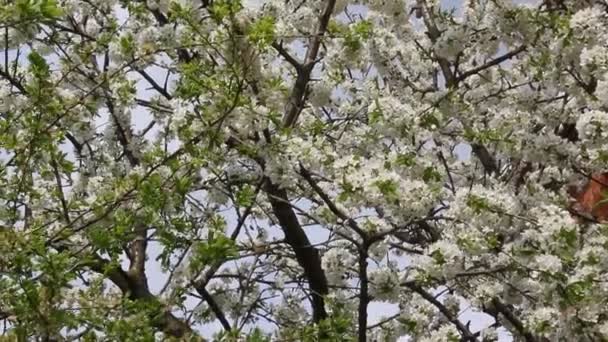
(296, 100)
(165, 320)
(61, 195)
(307, 256)
(330, 204)
(487, 160)
(499, 307)
(467, 335)
(77, 145)
(568, 131)
(123, 134)
(363, 295)
(447, 170)
(217, 310)
(161, 90)
(204, 280)
(137, 249)
(139, 244)
(479, 150)
(288, 57)
(13, 81)
(434, 34)
(521, 175)
(182, 54)
(491, 63)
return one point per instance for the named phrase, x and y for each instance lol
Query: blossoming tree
(267, 170)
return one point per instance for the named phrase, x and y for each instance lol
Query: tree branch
(434, 34)
(161, 90)
(308, 257)
(491, 63)
(467, 335)
(330, 204)
(499, 307)
(487, 160)
(165, 321)
(295, 102)
(214, 307)
(288, 57)
(363, 295)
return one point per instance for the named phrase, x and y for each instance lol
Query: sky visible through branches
(200, 167)
(158, 279)
(377, 310)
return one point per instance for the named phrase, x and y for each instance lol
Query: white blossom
(384, 284)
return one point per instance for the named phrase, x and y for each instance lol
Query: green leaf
(357, 33)
(376, 114)
(224, 8)
(262, 31)
(429, 121)
(127, 45)
(408, 324)
(245, 196)
(438, 256)
(220, 247)
(38, 65)
(387, 187)
(363, 29)
(568, 236)
(150, 192)
(257, 336)
(577, 291)
(493, 240)
(430, 174)
(406, 159)
(478, 204)
(183, 185)
(50, 9)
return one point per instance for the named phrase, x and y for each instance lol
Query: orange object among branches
(592, 201)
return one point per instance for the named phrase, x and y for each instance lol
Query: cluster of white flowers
(594, 56)
(181, 112)
(6, 98)
(387, 8)
(589, 22)
(544, 320)
(553, 219)
(484, 204)
(593, 125)
(80, 9)
(548, 263)
(337, 263)
(290, 310)
(384, 284)
(451, 43)
(321, 94)
(446, 256)
(417, 316)
(444, 333)
(442, 135)
(161, 5)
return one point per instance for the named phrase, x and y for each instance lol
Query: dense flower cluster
(223, 169)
